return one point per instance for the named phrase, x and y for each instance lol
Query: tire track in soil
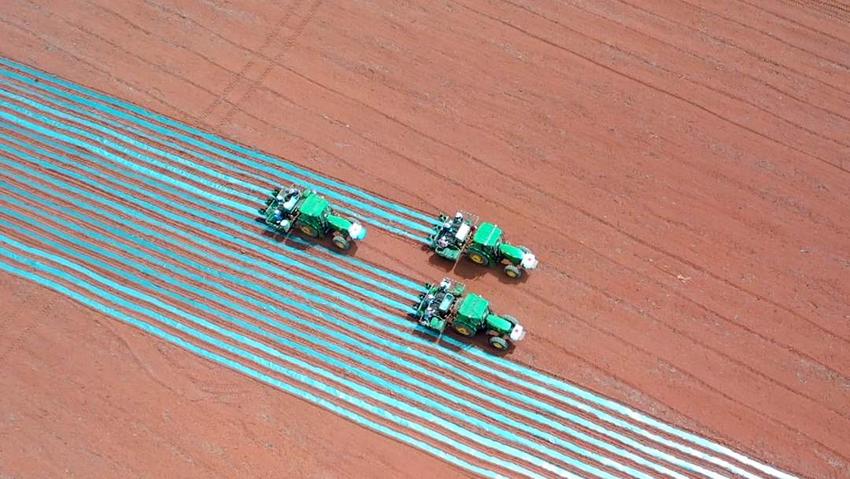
(659, 90)
(287, 44)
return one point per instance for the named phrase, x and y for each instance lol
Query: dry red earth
(680, 168)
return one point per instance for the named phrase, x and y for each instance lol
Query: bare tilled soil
(681, 170)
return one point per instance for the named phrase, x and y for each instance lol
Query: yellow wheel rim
(498, 345)
(462, 330)
(511, 273)
(308, 230)
(476, 258)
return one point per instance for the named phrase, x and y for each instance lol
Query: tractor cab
(452, 234)
(314, 212)
(484, 248)
(487, 247)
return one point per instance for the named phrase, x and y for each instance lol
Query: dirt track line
(754, 54)
(124, 51)
(798, 23)
(768, 34)
(694, 55)
(287, 44)
(16, 343)
(240, 75)
(658, 89)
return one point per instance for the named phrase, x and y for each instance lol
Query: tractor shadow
(466, 269)
(466, 343)
(305, 243)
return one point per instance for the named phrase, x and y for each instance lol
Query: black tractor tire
(478, 258)
(341, 243)
(309, 231)
(500, 343)
(463, 330)
(513, 271)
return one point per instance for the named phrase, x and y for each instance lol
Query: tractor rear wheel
(463, 330)
(512, 271)
(478, 258)
(341, 243)
(309, 231)
(499, 343)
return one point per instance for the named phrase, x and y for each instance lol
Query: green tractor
(482, 244)
(468, 314)
(310, 213)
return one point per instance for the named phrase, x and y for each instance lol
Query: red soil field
(681, 169)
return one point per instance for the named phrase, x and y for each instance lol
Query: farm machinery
(310, 213)
(481, 243)
(448, 304)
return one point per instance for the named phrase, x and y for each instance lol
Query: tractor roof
(474, 306)
(487, 234)
(314, 205)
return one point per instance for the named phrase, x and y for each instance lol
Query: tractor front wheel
(463, 330)
(512, 271)
(499, 343)
(341, 243)
(309, 231)
(478, 258)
